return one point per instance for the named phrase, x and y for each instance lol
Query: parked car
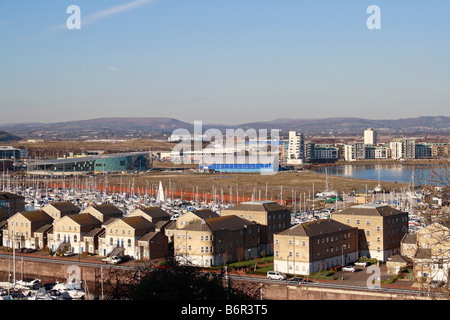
(360, 264)
(69, 253)
(348, 268)
(276, 275)
(112, 260)
(300, 280)
(29, 250)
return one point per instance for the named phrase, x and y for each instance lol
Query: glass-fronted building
(117, 162)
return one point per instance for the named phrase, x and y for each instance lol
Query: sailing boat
(378, 187)
(160, 194)
(326, 193)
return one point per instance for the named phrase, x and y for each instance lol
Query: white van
(276, 275)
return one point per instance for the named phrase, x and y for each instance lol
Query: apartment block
(12, 203)
(381, 228)
(370, 136)
(272, 217)
(313, 246)
(296, 149)
(217, 241)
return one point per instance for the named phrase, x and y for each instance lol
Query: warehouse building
(117, 162)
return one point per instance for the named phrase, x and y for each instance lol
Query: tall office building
(370, 137)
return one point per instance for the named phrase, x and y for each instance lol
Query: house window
(111, 241)
(129, 243)
(75, 238)
(367, 222)
(358, 222)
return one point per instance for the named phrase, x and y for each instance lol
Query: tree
(172, 281)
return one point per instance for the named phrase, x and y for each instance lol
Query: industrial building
(240, 167)
(117, 162)
(8, 152)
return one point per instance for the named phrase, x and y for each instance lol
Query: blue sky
(223, 61)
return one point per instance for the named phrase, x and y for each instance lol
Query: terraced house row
(97, 230)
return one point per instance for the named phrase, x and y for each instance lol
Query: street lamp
(342, 247)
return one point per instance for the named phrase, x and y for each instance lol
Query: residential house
(91, 240)
(42, 235)
(381, 228)
(104, 212)
(153, 245)
(68, 232)
(159, 217)
(57, 210)
(313, 246)
(186, 219)
(124, 234)
(21, 229)
(153, 214)
(432, 252)
(270, 215)
(217, 241)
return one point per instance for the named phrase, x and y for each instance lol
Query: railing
(380, 289)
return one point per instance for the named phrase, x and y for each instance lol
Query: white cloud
(99, 15)
(114, 10)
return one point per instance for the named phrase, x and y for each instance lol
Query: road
(354, 281)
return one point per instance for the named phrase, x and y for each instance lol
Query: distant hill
(356, 125)
(162, 127)
(5, 137)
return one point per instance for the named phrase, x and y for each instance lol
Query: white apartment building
(296, 150)
(370, 137)
(396, 150)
